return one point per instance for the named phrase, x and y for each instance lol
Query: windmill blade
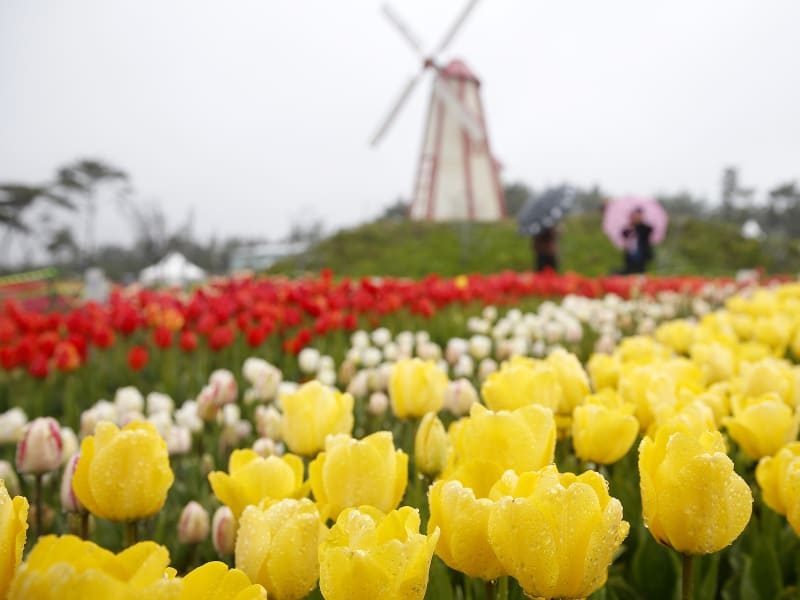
(405, 31)
(451, 33)
(398, 104)
(466, 119)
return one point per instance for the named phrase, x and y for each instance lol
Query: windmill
(457, 176)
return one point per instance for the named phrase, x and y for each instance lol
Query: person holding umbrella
(539, 219)
(545, 248)
(638, 249)
(635, 225)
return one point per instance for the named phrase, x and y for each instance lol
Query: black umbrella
(546, 210)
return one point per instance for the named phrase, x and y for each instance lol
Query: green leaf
(653, 570)
(706, 574)
(439, 584)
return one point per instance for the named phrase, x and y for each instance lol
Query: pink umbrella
(617, 215)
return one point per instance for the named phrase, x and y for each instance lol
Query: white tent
(172, 270)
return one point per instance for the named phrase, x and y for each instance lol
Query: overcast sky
(257, 112)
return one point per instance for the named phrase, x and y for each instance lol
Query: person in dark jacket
(545, 248)
(638, 248)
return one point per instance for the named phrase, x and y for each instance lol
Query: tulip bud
(179, 440)
(12, 424)
(308, 360)
(223, 531)
(381, 337)
(130, 417)
(464, 367)
(359, 384)
(430, 446)
(486, 367)
(269, 423)
(455, 349)
(326, 377)
(359, 339)
(39, 450)
(371, 357)
(391, 351)
(224, 385)
(159, 403)
(265, 447)
(480, 346)
(129, 399)
(378, 403)
(9, 476)
(69, 443)
(69, 501)
(186, 416)
(193, 524)
(459, 396)
(346, 372)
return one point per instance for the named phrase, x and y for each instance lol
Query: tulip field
(483, 437)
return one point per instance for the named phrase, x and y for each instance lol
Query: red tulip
(137, 358)
(162, 337)
(66, 357)
(188, 341)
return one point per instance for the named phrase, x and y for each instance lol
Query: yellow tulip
(774, 332)
(795, 345)
(768, 375)
(251, 479)
(521, 382)
(370, 555)
(715, 398)
(277, 547)
(777, 474)
(641, 350)
(13, 529)
(692, 499)
(572, 377)
(214, 581)
(463, 520)
(678, 335)
(68, 568)
(351, 473)
(416, 387)
(312, 413)
(647, 387)
(556, 533)
(522, 440)
(761, 426)
(603, 371)
(123, 474)
(430, 446)
(601, 434)
(716, 361)
(685, 373)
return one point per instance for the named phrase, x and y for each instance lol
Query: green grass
(415, 249)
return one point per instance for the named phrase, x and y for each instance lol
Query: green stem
(85, 525)
(38, 501)
(688, 564)
(130, 533)
(502, 588)
(491, 591)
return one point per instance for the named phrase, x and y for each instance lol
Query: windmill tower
(457, 175)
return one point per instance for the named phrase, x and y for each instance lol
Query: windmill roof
(458, 69)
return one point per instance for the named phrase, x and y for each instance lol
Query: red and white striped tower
(457, 175)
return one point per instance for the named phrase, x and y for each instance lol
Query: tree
(783, 209)
(83, 178)
(735, 199)
(16, 201)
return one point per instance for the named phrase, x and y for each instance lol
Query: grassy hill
(414, 249)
